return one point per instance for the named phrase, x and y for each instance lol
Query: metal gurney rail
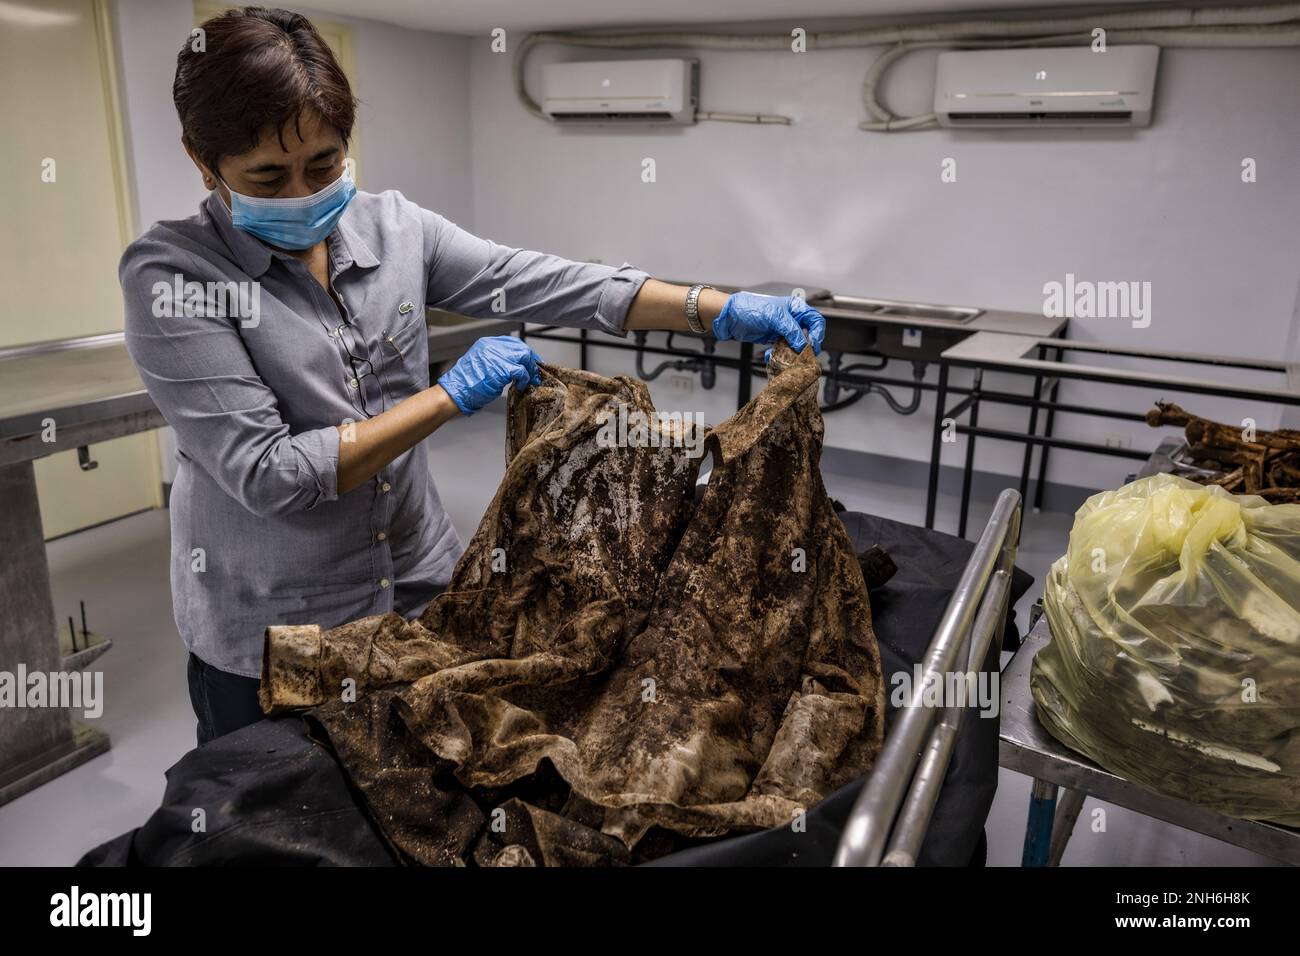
(888, 825)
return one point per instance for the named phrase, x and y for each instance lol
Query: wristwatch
(693, 308)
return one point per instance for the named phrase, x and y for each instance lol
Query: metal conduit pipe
(839, 376)
(701, 362)
(1263, 25)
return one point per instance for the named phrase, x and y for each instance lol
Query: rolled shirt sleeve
(481, 278)
(198, 372)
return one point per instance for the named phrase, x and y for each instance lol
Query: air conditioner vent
(594, 116)
(1046, 86)
(621, 91)
(1124, 118)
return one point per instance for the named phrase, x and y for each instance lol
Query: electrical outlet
(682, 384)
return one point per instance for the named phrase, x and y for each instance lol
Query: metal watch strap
(693, 308)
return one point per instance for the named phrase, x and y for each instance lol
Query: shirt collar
(345, 245)
(348, 248)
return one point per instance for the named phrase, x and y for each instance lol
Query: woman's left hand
(750, 317)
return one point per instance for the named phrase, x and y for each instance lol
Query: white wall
(149, 35)
(820, 203)
(414, 119)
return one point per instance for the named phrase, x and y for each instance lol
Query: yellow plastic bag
(1175, 652)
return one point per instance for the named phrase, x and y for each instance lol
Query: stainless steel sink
(915, 331)
(889, 308)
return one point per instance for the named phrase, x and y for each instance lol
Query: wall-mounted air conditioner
(621, 91)
(1046, 86)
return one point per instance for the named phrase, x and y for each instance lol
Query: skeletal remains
(1241, 460)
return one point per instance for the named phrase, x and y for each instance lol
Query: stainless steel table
(1047, 361)
(1026, 747)
(89, 389)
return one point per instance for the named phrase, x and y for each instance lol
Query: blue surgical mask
(297, 223)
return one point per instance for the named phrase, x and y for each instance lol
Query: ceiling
(481, 16)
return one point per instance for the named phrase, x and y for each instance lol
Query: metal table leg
(936, 443)
(968, 470)
(1047, 432)
(1068, 806)
(36, 743)
(1038, 825)
(1029, 446)
(745, 387)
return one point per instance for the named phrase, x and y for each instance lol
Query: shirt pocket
(405, 351)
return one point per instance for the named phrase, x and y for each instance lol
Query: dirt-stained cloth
(615, 668)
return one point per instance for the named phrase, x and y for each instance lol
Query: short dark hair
(259, 67)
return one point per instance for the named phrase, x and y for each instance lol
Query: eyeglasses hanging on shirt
(362, 367)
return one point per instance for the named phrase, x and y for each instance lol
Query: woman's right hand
(487, 368)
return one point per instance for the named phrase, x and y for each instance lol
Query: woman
(281, 332)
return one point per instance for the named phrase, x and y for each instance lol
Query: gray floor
(120, 571)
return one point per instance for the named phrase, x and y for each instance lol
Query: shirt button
(385, 487)
(353, 383)
(383, 583)
(382, 535)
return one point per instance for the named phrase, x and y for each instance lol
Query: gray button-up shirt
(255, 368)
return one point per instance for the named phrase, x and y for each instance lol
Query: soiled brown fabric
(612, 663)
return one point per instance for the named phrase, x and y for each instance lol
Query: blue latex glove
(489, 366)
(750, 317)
